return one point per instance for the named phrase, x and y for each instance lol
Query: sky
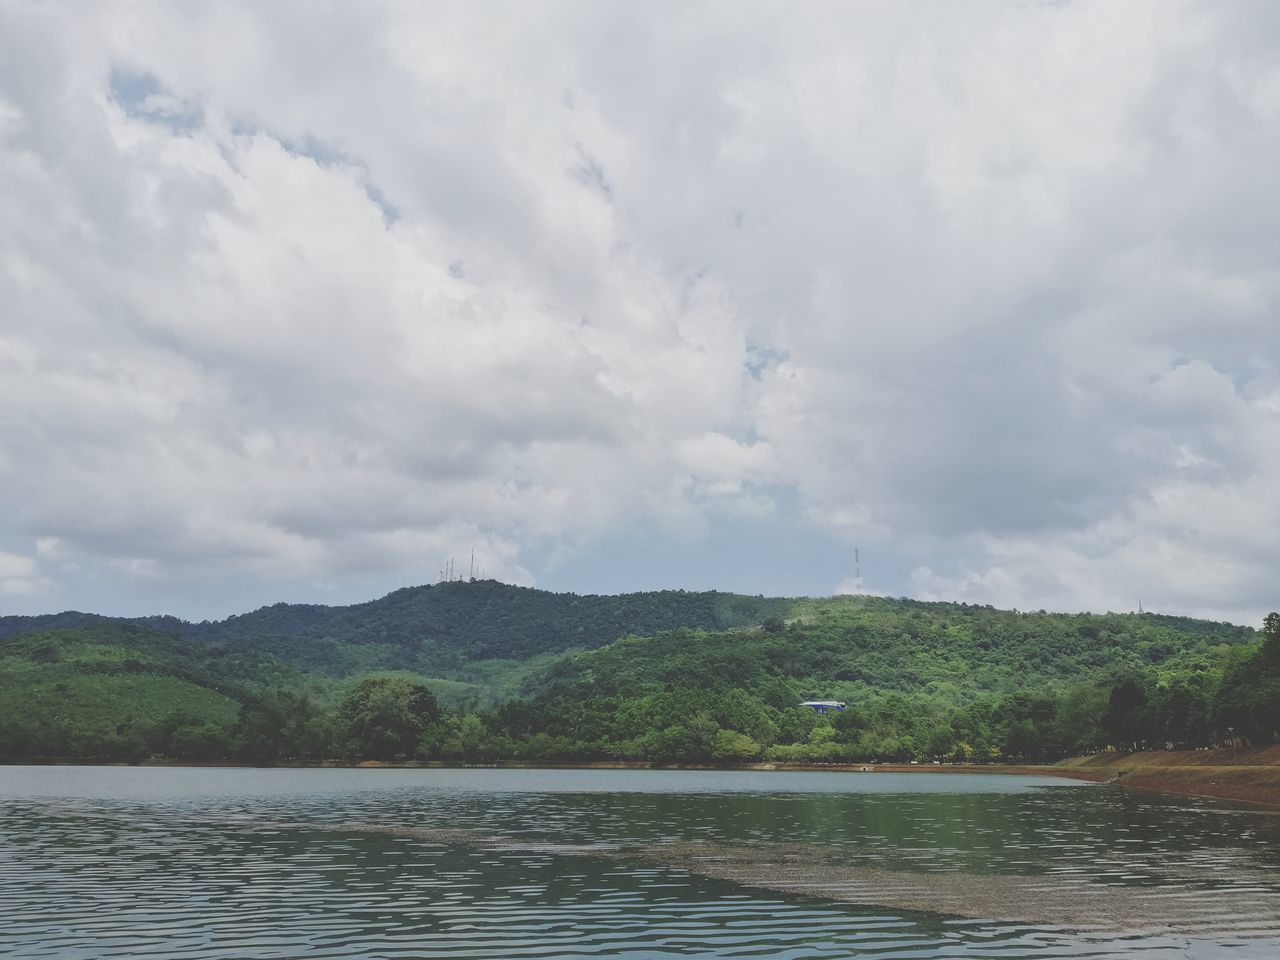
(299, 300)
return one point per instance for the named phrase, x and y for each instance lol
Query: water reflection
(212, 864)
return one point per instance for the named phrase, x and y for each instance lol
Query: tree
(468, 739)
(1249, 699)
(270, 725)
(385, 717)
(702, 736)
(1023, 741)
(1124, 719)
(734, 747)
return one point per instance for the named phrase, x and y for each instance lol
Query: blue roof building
(824, 706)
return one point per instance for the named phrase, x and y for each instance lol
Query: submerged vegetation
(482, 672)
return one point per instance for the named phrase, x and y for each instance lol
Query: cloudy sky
(297, 300)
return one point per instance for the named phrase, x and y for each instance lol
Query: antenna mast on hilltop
(857, 568)
(449, 572)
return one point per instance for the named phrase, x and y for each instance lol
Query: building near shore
(824, 706)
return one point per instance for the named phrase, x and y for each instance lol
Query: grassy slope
(109, 680)
(105, 703)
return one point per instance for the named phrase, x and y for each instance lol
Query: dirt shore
(1249, 775)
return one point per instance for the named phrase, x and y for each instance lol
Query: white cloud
(20, 576)
(990, 288)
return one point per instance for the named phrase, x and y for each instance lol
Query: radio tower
(857, 569)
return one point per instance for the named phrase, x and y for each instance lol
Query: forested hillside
(448, 625)
(119, 691)
(922, 681)
(848, 647)
(483, 671)
(443, 628)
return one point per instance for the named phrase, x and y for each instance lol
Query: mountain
(448, 625)
(672, 676)
(440, 628)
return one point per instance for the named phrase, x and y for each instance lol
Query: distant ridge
(441, 624)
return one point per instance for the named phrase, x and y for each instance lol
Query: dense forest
(483, 672)
(443, 629)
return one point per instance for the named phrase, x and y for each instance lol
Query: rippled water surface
(110, 862)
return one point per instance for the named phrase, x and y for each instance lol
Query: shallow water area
(211, 863)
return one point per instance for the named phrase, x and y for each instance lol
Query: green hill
(667, 676)
(850, 647)
(83, 685)
(919, 679)
(443, 628)
(459, 622)
(115, 691)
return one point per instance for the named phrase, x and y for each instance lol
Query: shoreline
(1024, 769)
(1244, 775)
(1199, 774)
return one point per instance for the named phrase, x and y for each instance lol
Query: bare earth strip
(1248, 775)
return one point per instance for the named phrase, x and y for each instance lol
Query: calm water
(106, 862)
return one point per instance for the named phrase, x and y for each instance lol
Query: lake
(115, 862)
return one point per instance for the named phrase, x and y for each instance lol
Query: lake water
(116, 862)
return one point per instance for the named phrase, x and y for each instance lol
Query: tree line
(680, 698)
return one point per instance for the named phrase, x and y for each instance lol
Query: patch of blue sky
(590, 173)
(761, 357)
(327, 154)
(143, 97)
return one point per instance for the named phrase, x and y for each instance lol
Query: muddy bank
(1248, 775)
